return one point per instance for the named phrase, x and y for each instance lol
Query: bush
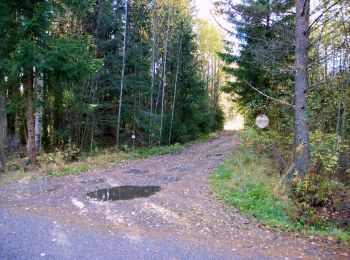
(71, 153)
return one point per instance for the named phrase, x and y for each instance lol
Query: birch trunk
(3, 116)
(39, 112)
(175, 90)
(346, 84)
(154, 27)
(301, 138)
(30, 118)
(2, 133)
(217, 84)
(164, 76)
(123, 73)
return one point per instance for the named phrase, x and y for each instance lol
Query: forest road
(54, 219)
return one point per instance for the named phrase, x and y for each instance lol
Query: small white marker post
(133, 137)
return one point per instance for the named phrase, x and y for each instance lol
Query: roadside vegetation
(292, 66)
(72, 161)
(250, 181)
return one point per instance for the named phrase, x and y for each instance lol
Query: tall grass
(247, 180)
(54, 164)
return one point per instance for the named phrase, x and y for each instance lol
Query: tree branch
(267, 96)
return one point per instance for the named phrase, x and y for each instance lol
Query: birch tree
(175, 90)
(2, 133)
(30, 115)
(3, 114)
(164, 81)
(153, 63)
(123, 72)
(39, 111)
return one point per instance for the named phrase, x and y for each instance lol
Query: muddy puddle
(123, 193)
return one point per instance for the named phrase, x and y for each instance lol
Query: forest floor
(55, 219)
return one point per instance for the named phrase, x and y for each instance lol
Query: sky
(204, 7)
(206, 12)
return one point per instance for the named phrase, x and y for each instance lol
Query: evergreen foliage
(62, 62)
(265, 61)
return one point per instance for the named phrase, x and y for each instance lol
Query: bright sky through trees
(204, 7)
(206, 11)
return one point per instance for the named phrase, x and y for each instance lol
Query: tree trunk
(3, 116)
(164, 76)
(30, 118)
(2, 133)
(301, 138)
(39, 112)
(154, 35)
(123, 73)
(217, 84)
(346, 84)
(175, 90)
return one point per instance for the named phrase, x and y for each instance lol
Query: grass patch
(247, 181)
(54, 164)
(154, 151)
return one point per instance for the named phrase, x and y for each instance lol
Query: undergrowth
(249, 180)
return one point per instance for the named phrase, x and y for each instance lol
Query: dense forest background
(264, 71)
(88, 74)
(292, 64)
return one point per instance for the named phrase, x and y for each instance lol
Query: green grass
(154, 151)
(54, 165)
(248, 181)
(70, 170)
(245, 182)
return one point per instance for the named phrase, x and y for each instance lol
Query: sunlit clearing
(237, 123)
(233, 120)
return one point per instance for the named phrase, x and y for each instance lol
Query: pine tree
(301, 139)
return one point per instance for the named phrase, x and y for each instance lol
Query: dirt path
(185, 208)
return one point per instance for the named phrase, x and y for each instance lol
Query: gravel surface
(55, 219)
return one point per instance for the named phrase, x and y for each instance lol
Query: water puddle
(92, 181)
(124, 193)
(53, 188)
(179, 169)
(215, 155)
(171, 179)
(137, 171)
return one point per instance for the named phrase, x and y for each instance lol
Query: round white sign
(133, 136)
(262, 121)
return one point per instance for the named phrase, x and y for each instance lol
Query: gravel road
(54, 219)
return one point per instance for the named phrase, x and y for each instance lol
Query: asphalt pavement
(26, 236)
